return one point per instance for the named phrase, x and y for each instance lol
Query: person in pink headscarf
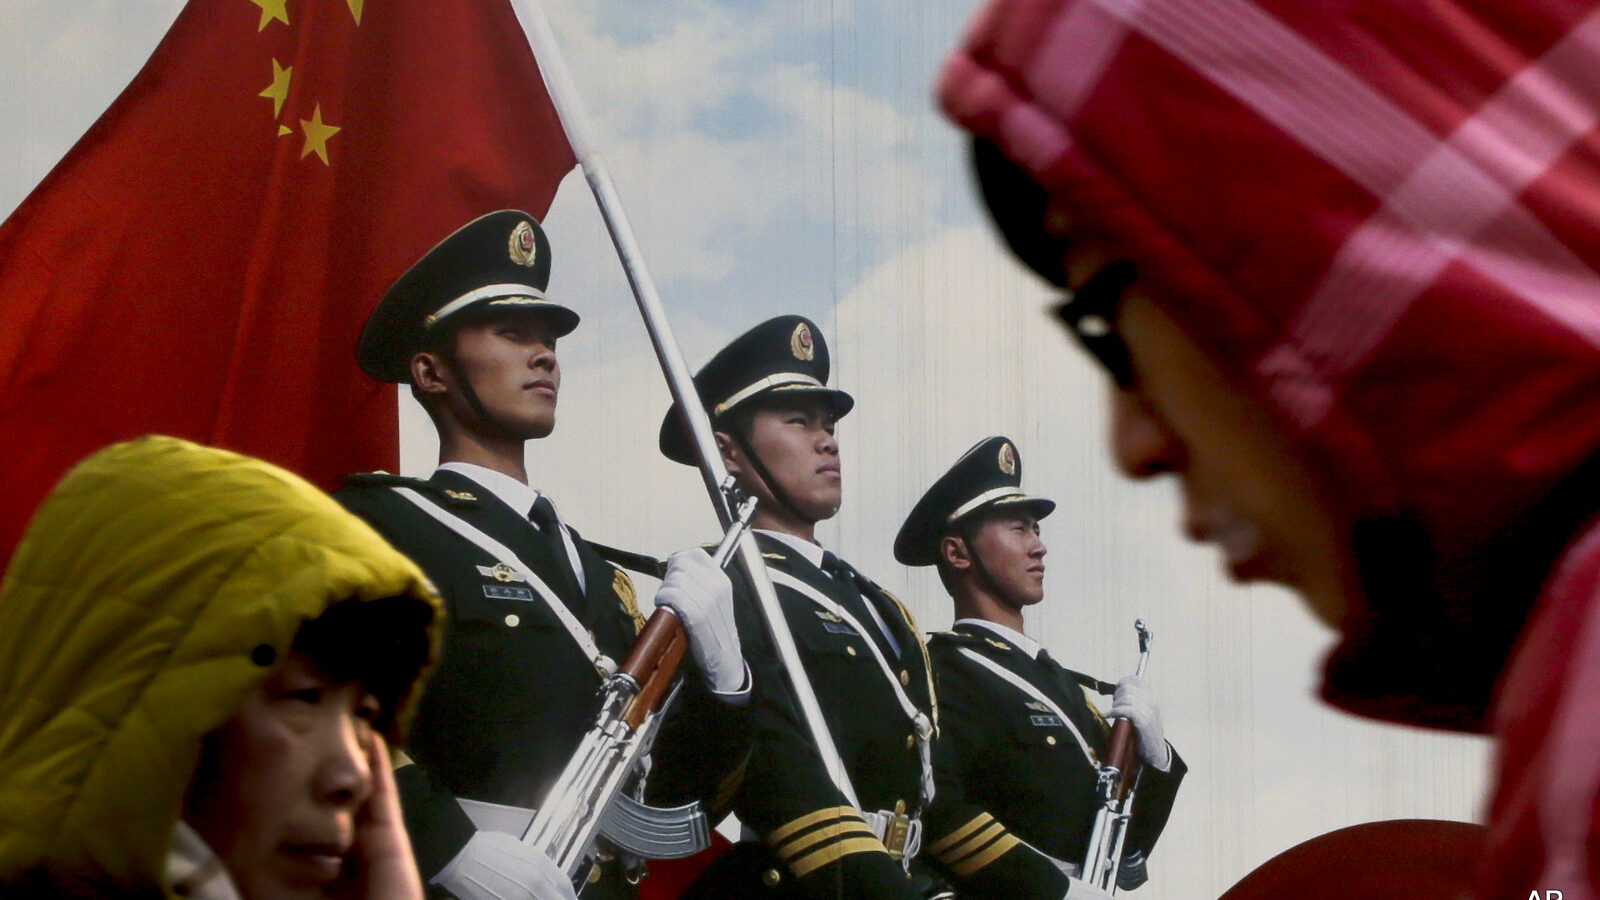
(1341, 260)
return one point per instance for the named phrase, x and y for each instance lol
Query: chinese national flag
(201, 263)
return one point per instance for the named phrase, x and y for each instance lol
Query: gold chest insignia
(460, 495)
(503, 572)
(1088, 699)
(622, 586)
(1001, 644)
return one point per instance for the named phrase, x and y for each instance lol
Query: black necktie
(1059, 679)
(855, 590)
(543, 516)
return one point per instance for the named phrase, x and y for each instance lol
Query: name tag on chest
(507, 592)
(1047, 721)
(838, 628)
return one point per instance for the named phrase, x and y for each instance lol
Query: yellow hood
(128, 620)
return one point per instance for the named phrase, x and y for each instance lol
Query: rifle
(588, 798)
(1114, 792)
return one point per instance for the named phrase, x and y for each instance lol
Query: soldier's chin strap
(966, 530)
(777, 491)
(447, 353)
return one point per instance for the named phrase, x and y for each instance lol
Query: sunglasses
(1091, 316)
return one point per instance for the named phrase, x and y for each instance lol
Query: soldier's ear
(729, 448)
(427, 373)
(955, 553)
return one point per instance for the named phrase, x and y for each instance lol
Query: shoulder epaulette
(953, 637)
(385, 479)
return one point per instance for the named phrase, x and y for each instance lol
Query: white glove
(701, 596)
(496, 866)
(1083, 890)
(1135, 701)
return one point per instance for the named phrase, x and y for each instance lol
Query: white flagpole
(558, 82)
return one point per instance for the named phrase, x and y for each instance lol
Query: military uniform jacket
(513, 694)
(1010, 768)
(816, 843)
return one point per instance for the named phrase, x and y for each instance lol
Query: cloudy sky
(785, 157)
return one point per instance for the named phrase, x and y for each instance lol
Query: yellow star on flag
(317, 135)
(355, 9)
(278, 90)
(270, 10)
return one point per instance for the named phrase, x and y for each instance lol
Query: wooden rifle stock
(653, 663)
(1119, 753)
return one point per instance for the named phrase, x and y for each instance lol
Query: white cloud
(803, 152)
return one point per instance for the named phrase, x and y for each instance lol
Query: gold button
(911, 742)
(512, 620)
(905, 678)
(1050, 739)
(594, 874)
(850, 650)
(771, 877)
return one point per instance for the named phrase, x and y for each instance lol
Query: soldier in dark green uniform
(1021, 739)
(774, 416)
(536, 615)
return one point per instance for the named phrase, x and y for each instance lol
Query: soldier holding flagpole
(811, 832)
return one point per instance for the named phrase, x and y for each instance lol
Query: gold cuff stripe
(805, 865)
(960, 834)
(783, 832)
(995, 851)
(826, 833)
(967, 848)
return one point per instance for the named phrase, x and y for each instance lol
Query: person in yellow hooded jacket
(201, 659)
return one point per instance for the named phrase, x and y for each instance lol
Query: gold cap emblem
(524, 249)
(800, 343)
(1008, 459)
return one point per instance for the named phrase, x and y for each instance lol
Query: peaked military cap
(499, 260)
(785, 355)
(988, 476)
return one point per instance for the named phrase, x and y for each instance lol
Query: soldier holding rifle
(1021, 743)
(814, 831)
(536, 616)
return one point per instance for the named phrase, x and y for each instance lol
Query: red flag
(201, 263)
